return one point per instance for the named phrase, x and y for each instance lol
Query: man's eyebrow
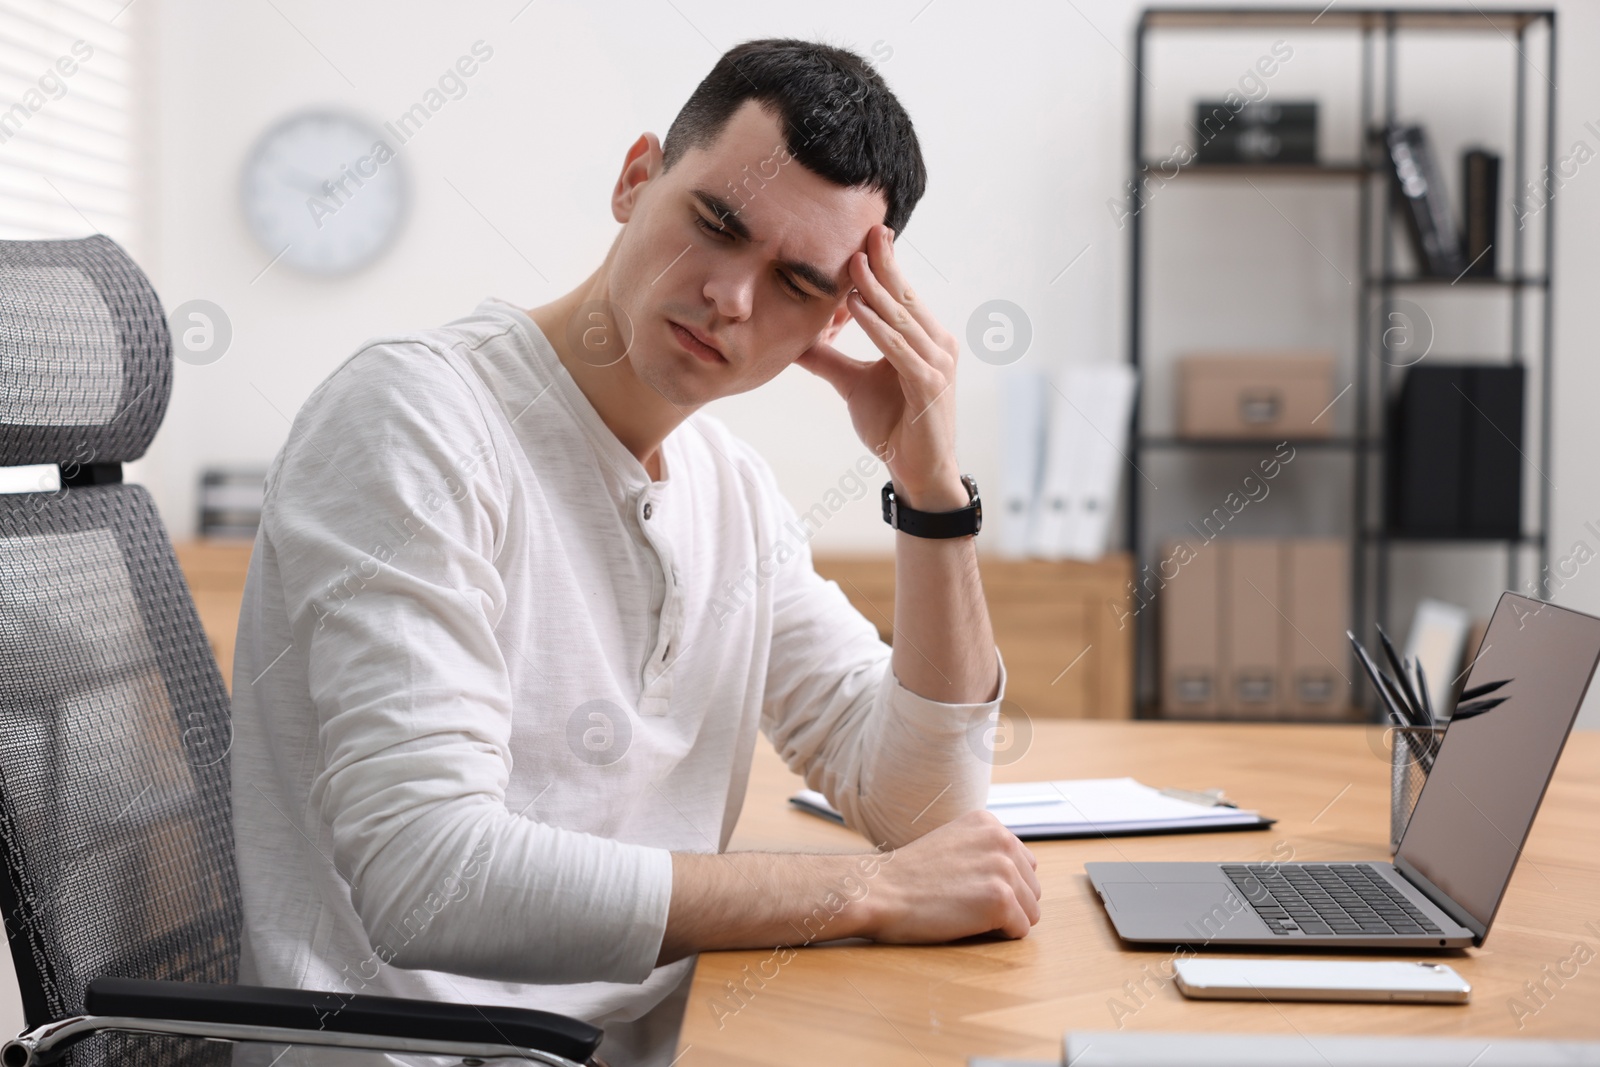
(728, 217)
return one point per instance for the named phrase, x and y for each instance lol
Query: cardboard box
(1267, 395)
(1254, 628)
(1252, 625)
(1190, 643)
(1316, 652)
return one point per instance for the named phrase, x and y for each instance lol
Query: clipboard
(1086, 807)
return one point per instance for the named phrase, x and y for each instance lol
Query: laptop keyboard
(1326, 898)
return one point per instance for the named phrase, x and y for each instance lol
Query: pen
(1211, 798)
(1482, 690)
(1017, 801)
(1412, 701)
(1399, 717)
(1467, 711)
(1422, 686)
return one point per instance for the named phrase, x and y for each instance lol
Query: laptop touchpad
(1205, 909)
(1171, 897)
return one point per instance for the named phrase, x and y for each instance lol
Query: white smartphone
(1384, 981)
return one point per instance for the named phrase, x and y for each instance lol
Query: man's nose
(731, 291)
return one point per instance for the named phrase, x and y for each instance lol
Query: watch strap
(962, 522)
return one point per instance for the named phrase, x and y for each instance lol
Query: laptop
(1460, 847)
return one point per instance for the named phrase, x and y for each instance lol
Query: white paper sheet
(1084, 806)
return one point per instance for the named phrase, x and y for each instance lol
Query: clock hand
(316, 186)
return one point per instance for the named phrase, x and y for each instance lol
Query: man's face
(763, 290)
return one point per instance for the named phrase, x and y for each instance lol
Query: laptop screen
(1472, 818)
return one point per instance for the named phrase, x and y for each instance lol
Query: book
(1480, 220)
(1086, 807)
(1419, 194)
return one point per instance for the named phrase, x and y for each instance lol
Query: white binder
(1089, 410)
(1024, 414)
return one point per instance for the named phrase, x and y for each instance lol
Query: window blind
(66, 151)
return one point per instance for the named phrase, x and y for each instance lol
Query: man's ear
(642, 163)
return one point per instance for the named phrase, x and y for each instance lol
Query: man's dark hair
(840, 120)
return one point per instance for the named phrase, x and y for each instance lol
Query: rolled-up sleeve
(895, 764)
(386, 512)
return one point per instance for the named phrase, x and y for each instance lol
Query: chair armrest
(346, 1013)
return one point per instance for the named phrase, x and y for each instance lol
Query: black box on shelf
(1258, 132)
(1455, 452)
(231, 500)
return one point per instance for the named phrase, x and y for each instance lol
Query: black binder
(1455, 460)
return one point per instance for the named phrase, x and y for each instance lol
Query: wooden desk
(934, 1006)
(215, 570)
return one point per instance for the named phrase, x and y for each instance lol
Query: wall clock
(323, 191)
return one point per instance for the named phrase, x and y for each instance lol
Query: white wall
(1022, 111)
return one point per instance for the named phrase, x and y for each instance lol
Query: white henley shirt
(490, 674)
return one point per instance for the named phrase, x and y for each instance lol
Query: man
(517, 608)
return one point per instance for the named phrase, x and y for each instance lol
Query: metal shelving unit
(1379, 30)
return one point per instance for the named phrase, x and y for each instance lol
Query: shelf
(1259, 170)
(1232, 443)
(1520, 281)
(1446, 539)
(1381, 37)
(1340, 18)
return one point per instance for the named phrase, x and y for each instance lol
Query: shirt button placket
(654, 698)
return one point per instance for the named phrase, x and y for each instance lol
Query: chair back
(116, 830)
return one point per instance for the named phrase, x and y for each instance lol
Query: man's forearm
(969, 876)
(763, 899)
(943, 643)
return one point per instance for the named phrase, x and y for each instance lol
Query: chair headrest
(85, 356)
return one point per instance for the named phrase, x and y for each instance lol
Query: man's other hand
(969, 876)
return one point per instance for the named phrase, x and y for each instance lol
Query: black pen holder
(1411, 758)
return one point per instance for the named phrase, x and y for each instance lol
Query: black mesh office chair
(116, 836)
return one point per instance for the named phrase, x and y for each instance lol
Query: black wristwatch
(962, 522)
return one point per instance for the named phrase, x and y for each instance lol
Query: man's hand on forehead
(902, 406)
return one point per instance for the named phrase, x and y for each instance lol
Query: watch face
(324, 191)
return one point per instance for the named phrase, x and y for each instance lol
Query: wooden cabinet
(1065, 655)
(215, 571)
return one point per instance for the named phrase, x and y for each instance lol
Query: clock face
(324, 190)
